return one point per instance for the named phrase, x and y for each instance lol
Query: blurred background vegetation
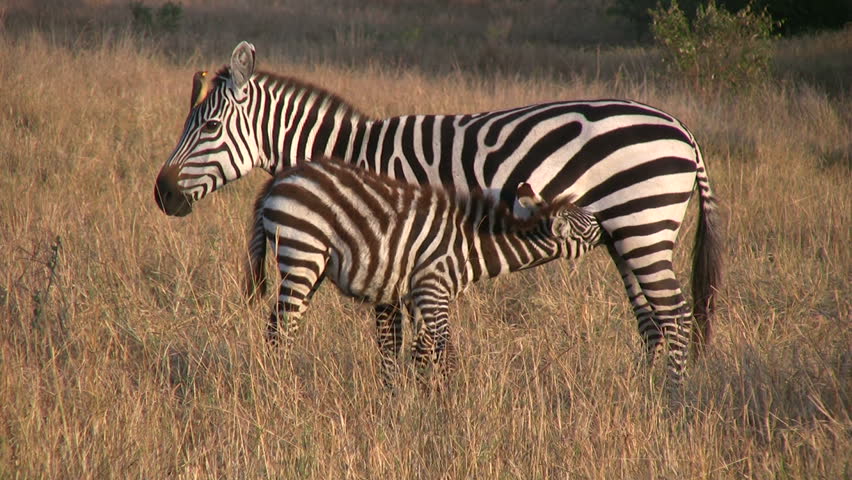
(589, 39)
(795, 16)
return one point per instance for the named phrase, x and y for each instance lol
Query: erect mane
(336, 102)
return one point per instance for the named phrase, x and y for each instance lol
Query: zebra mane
(335, 101)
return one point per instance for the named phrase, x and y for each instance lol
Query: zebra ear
(200, 87)
(242, 64)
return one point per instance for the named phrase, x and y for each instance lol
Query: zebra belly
(374, 283)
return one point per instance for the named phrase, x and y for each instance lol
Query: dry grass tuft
(136, 356)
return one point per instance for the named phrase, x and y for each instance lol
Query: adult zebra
(392, 243)
(633, 166)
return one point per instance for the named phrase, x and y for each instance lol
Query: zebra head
(218, 143)
(573, 225)
(562, 218)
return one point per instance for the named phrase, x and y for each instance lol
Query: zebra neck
(376, 145)
(298, 121)
(500, 252)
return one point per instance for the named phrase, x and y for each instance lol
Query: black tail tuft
(706, 266)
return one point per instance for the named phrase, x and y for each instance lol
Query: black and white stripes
(633, 166)
(395, 244)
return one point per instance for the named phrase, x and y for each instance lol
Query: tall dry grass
(135, 356)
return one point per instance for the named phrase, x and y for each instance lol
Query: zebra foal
(396, 244)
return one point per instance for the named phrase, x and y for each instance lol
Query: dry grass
(136, 357)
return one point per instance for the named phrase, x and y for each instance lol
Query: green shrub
(718, 49)
(166, 20)
(143, 17)
(168, 16)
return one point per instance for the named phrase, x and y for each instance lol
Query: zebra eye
(211, 126)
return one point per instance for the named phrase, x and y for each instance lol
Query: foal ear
(527, 201)
(242, 64)
(562, 226)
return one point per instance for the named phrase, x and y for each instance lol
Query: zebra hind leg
(649, 329)
(662, 312)
(283, 322)
(672, 315)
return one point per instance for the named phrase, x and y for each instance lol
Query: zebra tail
(706, 260)
(255, 282)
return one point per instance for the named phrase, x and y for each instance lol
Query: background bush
(795, 16)
(167, 18)
(718, 49)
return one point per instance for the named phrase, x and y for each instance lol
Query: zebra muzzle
(168, 196)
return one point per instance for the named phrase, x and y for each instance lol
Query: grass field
(127, 350)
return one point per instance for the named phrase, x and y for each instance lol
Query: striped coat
(633, 166)
(392, 244)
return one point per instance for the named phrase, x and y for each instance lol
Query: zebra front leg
(389, 337)
(284, 321)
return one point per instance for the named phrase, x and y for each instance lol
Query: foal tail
(255, 281)
(706, 259)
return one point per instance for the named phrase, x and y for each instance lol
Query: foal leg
(389, 337)
(431, 312)
(298, 286)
